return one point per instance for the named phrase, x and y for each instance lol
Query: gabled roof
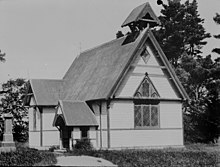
(47, 92)
(76, 114)
(139, 13)
(95, 72)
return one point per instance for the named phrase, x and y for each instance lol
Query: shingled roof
(76, 114)
(95, 72)
(47, 92)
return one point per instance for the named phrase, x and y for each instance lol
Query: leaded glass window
(146, 115)
(146, 89)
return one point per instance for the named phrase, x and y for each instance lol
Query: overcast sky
(41, 38)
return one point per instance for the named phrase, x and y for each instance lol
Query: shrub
(83, 144)
(25, 157)
(52, 148)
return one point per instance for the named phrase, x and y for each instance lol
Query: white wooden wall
(123, 133)
(159, 79)
(50, 133)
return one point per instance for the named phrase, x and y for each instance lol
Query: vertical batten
(41, 126)
(100, 126)
(108, 124)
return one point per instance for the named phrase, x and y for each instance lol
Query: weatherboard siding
(51, 138)
(122, 115)
(137, 73)
(48, 117)
(146, 138)
(50, 133)
(34, 139)
(124, 134)
(171, 115)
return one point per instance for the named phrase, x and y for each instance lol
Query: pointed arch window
(146, 89)
(146, 113)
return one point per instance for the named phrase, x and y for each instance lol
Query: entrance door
(65, 136)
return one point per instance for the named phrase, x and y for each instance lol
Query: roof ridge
(100, 45)
(47, 79)
(93, 48)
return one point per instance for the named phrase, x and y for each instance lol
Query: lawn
(191, 156)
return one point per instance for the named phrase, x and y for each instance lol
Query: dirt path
(83, 161)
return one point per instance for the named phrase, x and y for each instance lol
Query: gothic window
(146, 89)
(146, 115)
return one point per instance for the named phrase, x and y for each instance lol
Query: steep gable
(151, 63)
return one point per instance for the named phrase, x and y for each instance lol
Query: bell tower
(140, 18)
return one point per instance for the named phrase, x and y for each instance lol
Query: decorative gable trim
(143, 87)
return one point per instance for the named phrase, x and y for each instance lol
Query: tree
(217, 21)
(201, 79)
(12, 102)
(2, 56)
(181, 30)
(182, 36)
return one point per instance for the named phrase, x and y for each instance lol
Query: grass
(191, 156)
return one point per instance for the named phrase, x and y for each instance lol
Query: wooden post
(71, 140)
(108, 124)
(100, 121)
(41, 126)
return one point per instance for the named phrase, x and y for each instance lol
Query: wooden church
(121, 94)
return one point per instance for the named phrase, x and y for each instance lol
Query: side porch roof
(75, 114)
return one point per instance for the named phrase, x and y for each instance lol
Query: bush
(52, 148)
(83, 144)
(25, 157)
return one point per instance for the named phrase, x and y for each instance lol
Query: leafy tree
(201, 78)
(217, 21)
(2, 56)
(182, 36)
(181, 30)
(12, 102)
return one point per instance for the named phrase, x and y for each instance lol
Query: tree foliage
(202, 118)
(217, 21)
(181, 30)
(12, 102)
(182, 36)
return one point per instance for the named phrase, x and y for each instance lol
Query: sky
(41, 38)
